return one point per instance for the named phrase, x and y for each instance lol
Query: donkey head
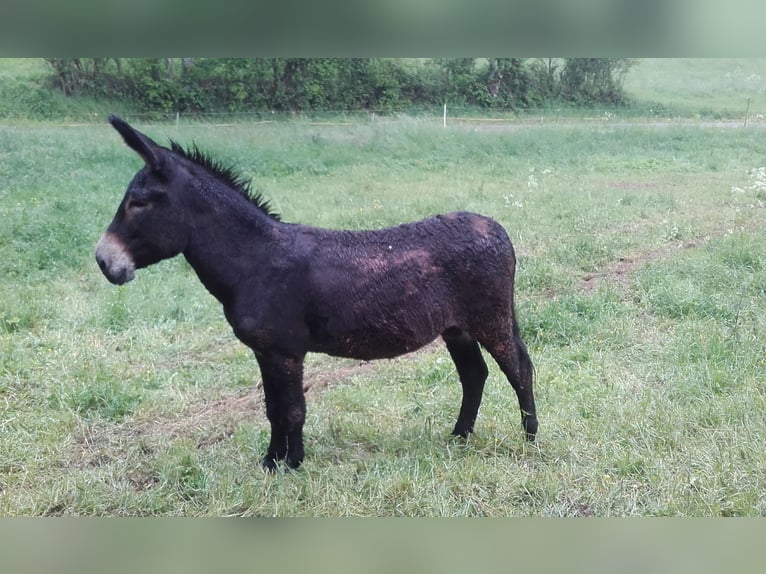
(150, 224)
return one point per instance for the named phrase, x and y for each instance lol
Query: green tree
(168, 85)
(594, 80)
(507, 83)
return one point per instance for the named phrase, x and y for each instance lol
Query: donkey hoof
(269, 464)
(462, 433)
(530, 428)
(292, 464)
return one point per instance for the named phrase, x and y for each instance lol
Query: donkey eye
(135, 203)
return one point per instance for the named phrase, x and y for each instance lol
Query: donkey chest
(268, 325)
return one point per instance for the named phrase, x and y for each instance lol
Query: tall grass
(640, 295)
(701, 87)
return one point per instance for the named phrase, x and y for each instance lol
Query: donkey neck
(230, 240)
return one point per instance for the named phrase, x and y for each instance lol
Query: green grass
(640, 294)
(25, 96)
(704, 88)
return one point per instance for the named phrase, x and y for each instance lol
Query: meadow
(699, 88)
(642, 270)
(641, 290)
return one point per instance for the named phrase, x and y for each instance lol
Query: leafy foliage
(589, 80)
(343, 84)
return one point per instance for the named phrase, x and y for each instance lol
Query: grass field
(640, 293)
(712, 88)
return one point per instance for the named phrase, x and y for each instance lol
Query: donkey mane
(227, 174)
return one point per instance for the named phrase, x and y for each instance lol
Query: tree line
(200, 85)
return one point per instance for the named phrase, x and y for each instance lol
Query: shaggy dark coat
(290, 289)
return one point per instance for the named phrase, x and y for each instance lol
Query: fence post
(177, 117)
(445, 115)
(747, 112)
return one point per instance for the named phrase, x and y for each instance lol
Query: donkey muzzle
(114, 260)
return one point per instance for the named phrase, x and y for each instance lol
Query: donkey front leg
(285, 409)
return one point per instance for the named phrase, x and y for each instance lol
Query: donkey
(290, 289)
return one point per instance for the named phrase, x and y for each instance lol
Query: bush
(585, 81)
(340, 84)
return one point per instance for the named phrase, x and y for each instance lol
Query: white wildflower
(757, 181)
(511, 202)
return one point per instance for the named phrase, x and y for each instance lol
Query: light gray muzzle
(114, 260)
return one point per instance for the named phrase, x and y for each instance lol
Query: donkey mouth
(114, 261)
(115, 276)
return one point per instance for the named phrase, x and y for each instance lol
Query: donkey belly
(369, 345)
(376, 336)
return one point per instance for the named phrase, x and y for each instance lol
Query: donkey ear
(143, 145)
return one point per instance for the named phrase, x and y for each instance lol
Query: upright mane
(227, 174)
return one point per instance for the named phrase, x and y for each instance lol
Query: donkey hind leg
(472, 371)
(285, 409)
(510, 353)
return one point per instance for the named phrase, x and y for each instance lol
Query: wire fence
(749, 113)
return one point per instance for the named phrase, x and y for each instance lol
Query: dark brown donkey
(289, 289)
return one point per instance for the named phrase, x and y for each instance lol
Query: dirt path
(620, 272)
(485, 124)
(214, 420)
